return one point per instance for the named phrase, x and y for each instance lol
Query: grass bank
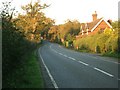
(107, 54)
(110, 54)
(27, 74)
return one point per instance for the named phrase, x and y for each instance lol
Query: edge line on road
(51, 77)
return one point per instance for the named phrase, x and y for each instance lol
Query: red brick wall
(102, 26)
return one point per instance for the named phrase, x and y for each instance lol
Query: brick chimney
(109, 21)
(94, 15)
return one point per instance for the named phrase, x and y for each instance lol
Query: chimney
(94, 15)
(109, 21)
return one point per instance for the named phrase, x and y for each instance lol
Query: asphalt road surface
(70, 69)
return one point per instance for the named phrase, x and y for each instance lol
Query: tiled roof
(90, 25)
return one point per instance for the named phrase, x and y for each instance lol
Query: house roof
(92, 25)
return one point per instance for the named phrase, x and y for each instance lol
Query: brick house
(97, 25)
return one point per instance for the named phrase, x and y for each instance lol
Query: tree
(53, 33)
(14, 46)
(69, 30)
(115, 24)
(34, 21)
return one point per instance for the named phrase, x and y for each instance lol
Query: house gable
(105, 24)
(94, 26)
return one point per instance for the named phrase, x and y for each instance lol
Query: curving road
(71, 69)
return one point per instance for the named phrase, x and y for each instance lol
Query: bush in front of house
(99, 43)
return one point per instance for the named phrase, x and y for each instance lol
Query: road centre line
(65, 56)
(60, 53)
(101, 59)
(83, 63)
(55, 51)
(51, 77)
(98, 57)
(71, 58)
(103, 72)
(116, 62)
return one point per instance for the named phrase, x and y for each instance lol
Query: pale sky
(80, 10)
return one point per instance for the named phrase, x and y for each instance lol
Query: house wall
(100, 27)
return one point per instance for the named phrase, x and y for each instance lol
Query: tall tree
(14, 45)
(69, 29)
(34, 21)
(54, 33)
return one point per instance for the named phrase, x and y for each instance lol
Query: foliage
(34, 22)
(66, 31)
(16, 34)
(115, 24)
(53, 33)
(69, 29)
(26, 75)
(100, 43)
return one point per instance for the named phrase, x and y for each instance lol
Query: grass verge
(110, 54)
(28, 74)
(107, 54)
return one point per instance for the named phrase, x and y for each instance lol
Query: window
(101, 30)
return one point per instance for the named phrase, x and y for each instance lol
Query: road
(70, 69)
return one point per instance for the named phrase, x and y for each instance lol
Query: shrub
(99, 43)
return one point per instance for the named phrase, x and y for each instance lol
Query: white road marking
(59, 46)
(88, 64)
(54, 51)
(103, 72)
(65, 55)
(83, 63)
(50, 46)
(52, 79)
(60, 54)
(71, 58)
(98, 58)
(102, 59)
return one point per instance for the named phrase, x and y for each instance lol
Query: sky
(81, 10)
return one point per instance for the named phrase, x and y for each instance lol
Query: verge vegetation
(105, 43)
(20, 38)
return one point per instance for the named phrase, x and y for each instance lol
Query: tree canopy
(34, 23)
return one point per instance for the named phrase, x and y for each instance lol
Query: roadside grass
(27, 74)
(111, 54)
(107, 54)
(85, 51)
